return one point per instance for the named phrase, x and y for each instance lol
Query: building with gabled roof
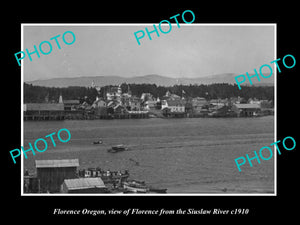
(71, 104)
(52, 173)
(43, 111)
(173, 105)
(247, 109)
(173, 108)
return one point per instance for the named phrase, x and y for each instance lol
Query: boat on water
(105, 175)
(158, 190)
(97, 142)
(134, 186)
(118, 148)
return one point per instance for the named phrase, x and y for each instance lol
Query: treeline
(38, 94)
(211, 91)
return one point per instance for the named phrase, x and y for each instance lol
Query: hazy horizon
(191, 51)
(184, 77)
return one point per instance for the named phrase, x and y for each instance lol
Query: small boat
(158, 190)
(136, 162)
(97, 142)
(117, 148)
(135, 187)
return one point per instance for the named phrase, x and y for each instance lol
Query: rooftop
(176, 102)
(247, 106)
(71, 101)
(43, 106)
(84, 183)
(56, 163)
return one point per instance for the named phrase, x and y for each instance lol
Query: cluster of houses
(176, 106)
(116, 104)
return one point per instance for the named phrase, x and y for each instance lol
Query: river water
(186, 155)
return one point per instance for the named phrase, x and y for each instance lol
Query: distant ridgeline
(39, 94)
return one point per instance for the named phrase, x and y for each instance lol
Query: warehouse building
(52, 173)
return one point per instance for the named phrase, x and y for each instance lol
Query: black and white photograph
(109, 113)
(133, 112)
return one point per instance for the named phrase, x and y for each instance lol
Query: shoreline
(148, 117)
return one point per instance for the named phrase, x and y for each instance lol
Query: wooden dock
(41, 117)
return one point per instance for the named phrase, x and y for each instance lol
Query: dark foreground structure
(52, 173)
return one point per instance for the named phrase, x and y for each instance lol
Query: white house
(174, 106)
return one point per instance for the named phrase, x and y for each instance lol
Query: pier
(43, 111)
(48, 116)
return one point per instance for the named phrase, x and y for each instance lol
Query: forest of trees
(38, 94)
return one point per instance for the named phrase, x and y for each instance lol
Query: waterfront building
(84, 105)
(43, 111)
(83, 185)
(223, 111)
(71, 105)
(100, 108)
(52, 173)
(218, 102)
(246, 110)
(197, 104)
(111, 104)
(120, 110)
(98, 103)
(173, 105)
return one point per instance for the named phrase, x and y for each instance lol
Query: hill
(147, 79)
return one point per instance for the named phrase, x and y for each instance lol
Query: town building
(246, 110)
(237, 100)
(173, 107)
(146, 96)
(43, 111)
(254, 101)
(100, 108)
(119, 110)
(170, 96)
(98, 103)
(150, 104)
(223, 111)
(114, 93)
(71, 105)
(218, 102)
(135, 104)
(197, 104)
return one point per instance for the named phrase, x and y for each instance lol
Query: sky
(193, 50)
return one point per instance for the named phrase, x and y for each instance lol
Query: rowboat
(135, 186)
(97, 142)
(158, 190)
